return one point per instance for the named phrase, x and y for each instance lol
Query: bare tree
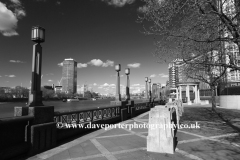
(184, 26)
(199, 32)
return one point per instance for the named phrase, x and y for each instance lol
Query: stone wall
(230, 101)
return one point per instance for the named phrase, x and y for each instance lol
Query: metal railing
(86, 115)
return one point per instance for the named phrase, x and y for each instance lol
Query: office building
(69, 76)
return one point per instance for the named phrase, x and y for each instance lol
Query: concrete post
(187, 93)
(180, 92)
(177, 93)
(196, 94)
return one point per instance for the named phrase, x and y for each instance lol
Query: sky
(98, 34)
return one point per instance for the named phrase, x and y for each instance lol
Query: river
(7, 108)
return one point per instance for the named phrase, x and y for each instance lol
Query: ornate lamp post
(150, 94)
(35, 95)
(127, 72)
(146, 88)
(118, 95)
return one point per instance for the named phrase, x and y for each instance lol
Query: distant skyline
(98, 34)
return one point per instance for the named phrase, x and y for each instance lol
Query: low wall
(26, 135)
(230, 101)
(14, 138)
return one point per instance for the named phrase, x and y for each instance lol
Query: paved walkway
(125, 144)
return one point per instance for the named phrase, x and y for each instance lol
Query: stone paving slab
(144, 155)
(211, 150)
(110, 132)
(124, 144)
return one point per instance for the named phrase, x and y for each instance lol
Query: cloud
(0, 76)
(108, 63)
(100, 63)
(16, 61)
(118, 3)
(135, 85)
(105, 84)
(153, 75)
(143, 9)
(9, 18)
(81, 65)
(137, 88)
(163, 75)
(134, 65)
(11, 76)
(60, 64)
(94, 84)
(96, 62)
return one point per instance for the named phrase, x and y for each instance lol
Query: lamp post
(35, 95)
(150, 94)
(118, 95)
(158, 91)
(146, 88)
(127, 72)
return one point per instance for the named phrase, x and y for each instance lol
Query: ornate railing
(140, 106)
(86, 115)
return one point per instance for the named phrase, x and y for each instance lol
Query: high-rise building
(174, 69)
(69, 76)
(230, 49)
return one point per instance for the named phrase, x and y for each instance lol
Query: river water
(7, 108)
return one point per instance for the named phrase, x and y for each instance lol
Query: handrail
(82, 110)
(16, 119)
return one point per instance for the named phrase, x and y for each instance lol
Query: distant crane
(59, 82)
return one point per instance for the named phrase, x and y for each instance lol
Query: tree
(94, 94)
(189, 29)
(88, 94)
(47, 93)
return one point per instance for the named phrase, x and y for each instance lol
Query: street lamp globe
(118, 67)
(38, 34)
(127, 71)
(149, 80)
(146, 79)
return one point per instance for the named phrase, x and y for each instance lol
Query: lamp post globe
(146, 79)
(127, 71)
(38, 34)
(118, 67)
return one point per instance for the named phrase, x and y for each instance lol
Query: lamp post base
(35, 99)
(118, 97)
